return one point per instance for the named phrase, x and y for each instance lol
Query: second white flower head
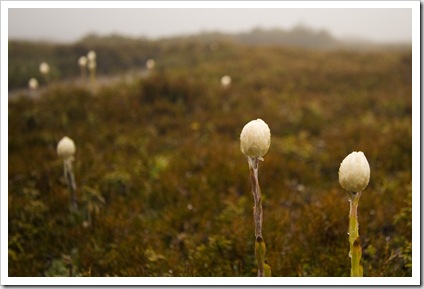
(255, 139)
(82, 61)
(150, 63)
(354, 172)
(33, 83)
(44, 68)
(66, 148)
(226, 80)
(91, 55)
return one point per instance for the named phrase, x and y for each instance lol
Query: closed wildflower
(44, 68)
(91, 55)
(82, 61)
(225, 80)
(354, 172)
(92, 65)
(33, 83)
(66, 151)
(150, 64)
(255, 139)
(66, 148)
(354, 176)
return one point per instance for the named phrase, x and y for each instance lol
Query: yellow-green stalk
(255, 139)
(354, 176)
(92, 65)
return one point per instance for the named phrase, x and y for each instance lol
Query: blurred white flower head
(66, 148)
(354, 172)
(33, 83)
(82, 61)
(44, 68)
(92, 65)
(91, 55)
(150, 64)
(225, 80)
(255, 139)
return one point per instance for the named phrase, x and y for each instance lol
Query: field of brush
(159, 168)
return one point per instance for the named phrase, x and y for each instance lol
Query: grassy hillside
(159, 167)
(118, 54)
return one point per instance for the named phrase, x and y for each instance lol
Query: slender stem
(256, 190)
(93, 79)
(355, 252)
(69, 175)
(257, 213)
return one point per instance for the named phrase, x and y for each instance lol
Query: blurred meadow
(159, 170)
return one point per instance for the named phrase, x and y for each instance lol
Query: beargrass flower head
(91, 55)
(255, 139)
(44, 68)
(150, 64)
(66, 148)
(82, 61)
(33, 83)
(226, 80)
(354, 172)
(92, 65)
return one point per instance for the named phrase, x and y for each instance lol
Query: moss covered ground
(159, 168)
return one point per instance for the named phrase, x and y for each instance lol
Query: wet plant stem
(355, 253)
(93, 79)
(69, 176)
(257, 214)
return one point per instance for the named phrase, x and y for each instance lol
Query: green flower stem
(256, 190)
(355, 253)
(260, 247)
(93, 79)
(69, 175)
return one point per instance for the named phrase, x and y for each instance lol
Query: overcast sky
(68, 25)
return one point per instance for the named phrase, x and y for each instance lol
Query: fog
(381, 25)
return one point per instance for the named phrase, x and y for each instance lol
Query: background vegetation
(158, 164)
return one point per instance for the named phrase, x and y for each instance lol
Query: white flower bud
(66, 148)
(354, 172)
(225, 80)
(33, 83)
(44, 68)
(92, 64)
(150, 64)
(255, 139)
(91, 55)
(82, 61)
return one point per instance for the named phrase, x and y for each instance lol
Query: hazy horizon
(379, 25)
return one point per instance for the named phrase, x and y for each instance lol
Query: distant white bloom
(354, 172)
(82, 61)
(33, 83)
(92, 65)
(150, 64)
(66, 148)
(225, 80)
(91, 55)
(255, 139)
(44, 68)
